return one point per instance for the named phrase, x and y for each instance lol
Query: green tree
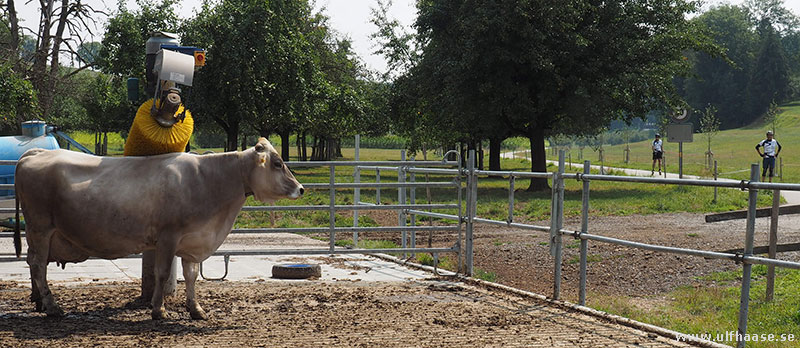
(722, 81)
(770, 76)
(274, 71)
(61, 25)
(105, 102)
(89, 53)
(772, 115)
(539, 70)
(709, 126)
(122, 50)
(17, 100)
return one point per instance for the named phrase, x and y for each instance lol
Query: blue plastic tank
(12, 147)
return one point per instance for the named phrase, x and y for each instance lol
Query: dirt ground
(312, 314)
(423, 313)
(521, 258)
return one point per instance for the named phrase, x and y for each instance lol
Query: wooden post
(773, 242)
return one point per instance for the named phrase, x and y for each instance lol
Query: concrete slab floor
(355, 267)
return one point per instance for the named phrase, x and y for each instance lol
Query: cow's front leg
(190, 270)
(165, 253)
(38, 252)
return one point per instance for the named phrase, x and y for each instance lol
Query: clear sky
(348, 17)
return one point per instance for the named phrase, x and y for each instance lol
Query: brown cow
(78, 206)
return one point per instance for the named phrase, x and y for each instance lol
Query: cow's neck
(226, 167)
(245, 168)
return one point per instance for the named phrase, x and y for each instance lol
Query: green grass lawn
(712, 307)
(607, 198)
(734, 149)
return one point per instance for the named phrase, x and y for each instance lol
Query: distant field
(733, 149)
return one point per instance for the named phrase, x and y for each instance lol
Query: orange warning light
(199, 58)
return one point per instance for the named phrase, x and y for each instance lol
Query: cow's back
(94, 206)
(111, 207)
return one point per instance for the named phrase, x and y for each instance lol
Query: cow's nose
(302, 190)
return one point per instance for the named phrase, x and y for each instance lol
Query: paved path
(241, 268)
(791, 197)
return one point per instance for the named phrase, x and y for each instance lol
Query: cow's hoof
(159, 314)
(198, 314)
(54, 312)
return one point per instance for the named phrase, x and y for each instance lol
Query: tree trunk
(305, 158)
(243, 145)
(538, 160)
(13, 44)
(479, 152)
(285, 145)
(338, 148)
(297, 144)
(330, 147)
(313, 148)
(232, 137)
(105, 143)
(463, 151)
(494, 153)
(39, 69)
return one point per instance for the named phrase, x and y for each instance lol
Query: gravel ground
(435, 313)
(521, 258)
(430, 313)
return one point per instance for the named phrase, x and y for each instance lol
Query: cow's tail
(17, 233)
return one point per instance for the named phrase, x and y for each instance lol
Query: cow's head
(271, 179)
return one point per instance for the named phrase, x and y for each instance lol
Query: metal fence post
(401, 198)
(715, 179)
(748, 251)
(460, 212)
(773, 242)
(332, 242)
(378, 189)
(413, 216)
(511, 180)
(558, 222)
(472, 187)
(584, 229)
(356, 191)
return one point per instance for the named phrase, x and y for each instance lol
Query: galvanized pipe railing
(747, 258)
(332, 186)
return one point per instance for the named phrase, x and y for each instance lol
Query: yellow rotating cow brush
(147, 137)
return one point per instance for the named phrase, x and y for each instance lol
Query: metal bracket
(738, 258)
(227, 258)
(743, 185)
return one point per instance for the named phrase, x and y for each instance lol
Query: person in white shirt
(771, 150)
(658, 154)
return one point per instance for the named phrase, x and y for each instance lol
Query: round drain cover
(296, 271)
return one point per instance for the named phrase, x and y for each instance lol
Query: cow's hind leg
(36, 298)
(190, 270)
(165, 254)
(38, 253)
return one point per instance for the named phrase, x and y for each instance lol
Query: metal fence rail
(557, 232)
(466, 179)
(332, 186)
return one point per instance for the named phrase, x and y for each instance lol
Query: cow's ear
(260, 147)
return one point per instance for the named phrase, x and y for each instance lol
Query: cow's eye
(278, 164)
